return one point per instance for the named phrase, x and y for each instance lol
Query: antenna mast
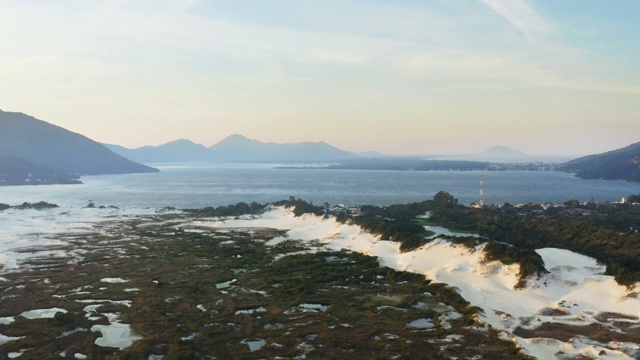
(481, 195)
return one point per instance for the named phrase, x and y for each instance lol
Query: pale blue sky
(404, 77)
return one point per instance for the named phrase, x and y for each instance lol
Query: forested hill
(621, 164)
(40, 143)
(16, 171)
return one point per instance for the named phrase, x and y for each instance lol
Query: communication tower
(481, 194)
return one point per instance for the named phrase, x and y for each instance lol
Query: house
(338, 209)
(578, 211)
(354, 211)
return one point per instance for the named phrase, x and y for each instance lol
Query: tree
(444, 199)
(571, 204)
(633, 199)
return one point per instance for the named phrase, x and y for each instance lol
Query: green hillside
(621, 164)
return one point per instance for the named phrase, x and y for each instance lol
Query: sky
(399, 77)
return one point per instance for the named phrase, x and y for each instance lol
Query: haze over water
(191, 186)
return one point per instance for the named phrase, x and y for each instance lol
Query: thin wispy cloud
(372, 68)
(521, 15)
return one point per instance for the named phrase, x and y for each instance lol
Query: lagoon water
(199, 185)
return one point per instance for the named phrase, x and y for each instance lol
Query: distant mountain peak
(237, 137)
(182, 144)
(181, 141)
(235, 140)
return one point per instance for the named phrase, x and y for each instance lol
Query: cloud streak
(381, 70)
(520, 15)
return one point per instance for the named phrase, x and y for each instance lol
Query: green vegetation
(425, 222)
(397, 222)
(238, 209)
(462, 231)
(427, 233)
(322, 305)
(38, 206)
(300, 207)
(608, 235)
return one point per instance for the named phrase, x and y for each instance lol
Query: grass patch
(427, 233)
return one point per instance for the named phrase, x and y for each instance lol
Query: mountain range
(240, 149)
(33, 151)
(621, 164)
(235, 149)
(55, 155)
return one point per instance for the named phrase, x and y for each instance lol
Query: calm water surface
(197, 185)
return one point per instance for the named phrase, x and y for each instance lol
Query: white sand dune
(575, 292)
